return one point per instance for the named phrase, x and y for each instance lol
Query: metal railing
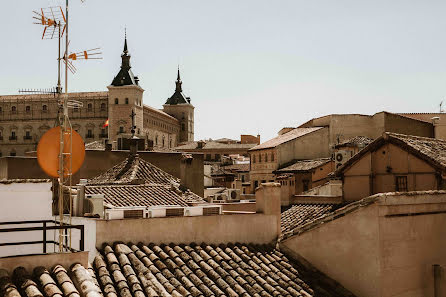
(45, 225)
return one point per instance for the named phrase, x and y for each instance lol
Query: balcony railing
(12, 137)
(103, 135)
(89, 136)
(27, 137)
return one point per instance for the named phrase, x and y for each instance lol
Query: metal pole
(44, 237)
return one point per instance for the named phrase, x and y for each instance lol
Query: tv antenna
(66, 158)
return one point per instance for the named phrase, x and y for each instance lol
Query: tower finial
(178, 75)
(125, 41)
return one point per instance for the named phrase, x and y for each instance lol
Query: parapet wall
(247, 228)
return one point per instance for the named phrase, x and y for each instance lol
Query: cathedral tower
(179, 106)
(124, 95)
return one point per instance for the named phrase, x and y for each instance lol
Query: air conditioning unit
(233, 194)
(341, 157)
(95, 204)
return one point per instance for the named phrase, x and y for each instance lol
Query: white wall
(24, 202)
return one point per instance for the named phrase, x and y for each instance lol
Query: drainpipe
(437, 275)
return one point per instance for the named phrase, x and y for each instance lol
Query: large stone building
(25, 118)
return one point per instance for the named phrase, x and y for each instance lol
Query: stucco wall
(346, 249)
(255, 228)
(386, 249)
(376, 172)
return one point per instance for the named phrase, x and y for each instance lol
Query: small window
(401, 184)
(76, 109)
(89, 133)
(256, 184)
(266, 157)
(272, 157)
(28, 109)
(13, 153)
(44, 108)
(14, 109)
(116, 101)
(1, 109)
(253, 158)
(126, 100)
(208, 157)
(260, 158)
(305, 184)
(156, 140)
(102, 106)
(183, 127)
(27, 134)
(217, 157)
(103, 133)
(90, 107)
(121, 129)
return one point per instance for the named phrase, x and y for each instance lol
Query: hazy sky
(249, 66)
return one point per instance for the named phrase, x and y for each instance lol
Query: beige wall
(379, 250)
(47, 261)
(376, 173)
(255, 228)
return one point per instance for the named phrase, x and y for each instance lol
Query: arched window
(44, 107)
(90, 107)
(121, 129)
(28, 109)
(14, 109)
(126, 100)
(156, 140)
(102, 106)
(116, 101)
(163, 140)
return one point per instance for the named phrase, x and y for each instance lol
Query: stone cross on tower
(132, 115)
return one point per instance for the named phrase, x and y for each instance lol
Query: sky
(250, 67)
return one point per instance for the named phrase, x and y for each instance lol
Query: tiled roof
(136, 182)
(160, 112)
(97, 145)
(304, 165)
(237, 167)
(293, 134)
(431, 150)
(57, 283)
(200, 270)
(214, 145)
(134, 170)
(300, 214)
(24, 180)
(143, 195)
(357, 141)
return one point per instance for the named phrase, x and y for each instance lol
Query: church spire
(125, 76)
(178, 82)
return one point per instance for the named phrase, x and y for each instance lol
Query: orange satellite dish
(48, 152)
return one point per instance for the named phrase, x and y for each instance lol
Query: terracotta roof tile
(215, 145)
(293, 134)
(200, 270)
(304, 165)
(357, 141)
(300, 214)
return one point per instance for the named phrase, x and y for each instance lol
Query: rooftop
(431, 150)
(304, 165)
(214, 145)
(293, 134)
(357, 141)
(301, 214)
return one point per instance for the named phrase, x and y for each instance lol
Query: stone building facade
(25, 118)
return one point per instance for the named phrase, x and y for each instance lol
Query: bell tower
(124, 98)
(179, 106)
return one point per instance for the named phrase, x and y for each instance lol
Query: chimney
(268, 201)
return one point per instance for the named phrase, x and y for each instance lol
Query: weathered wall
(47, 261)
(346, 249)
(376, 172)
(13, 168)
(386, 249)
(255, 228)
(404, 125)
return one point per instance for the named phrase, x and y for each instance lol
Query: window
(256, 184)
(126, 100)
(13, 136)
(14, 109)
(121, 129)
(102, 106)
(272, 157)
(116, 101)
(217, 157)
(305, 184)
(253, 158)
(156, 140)
(103, 133)
(89, 133)
(208, 157)
(27, 135)
(13, 153)
(163, 140)
(243, 178)
(90, 107)
(401, 184)
(76, 109)
(266, 157)
(28, 109)
(170, 143)
(44, 108)
(1, 109)
(260, 158)
(183, 127)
